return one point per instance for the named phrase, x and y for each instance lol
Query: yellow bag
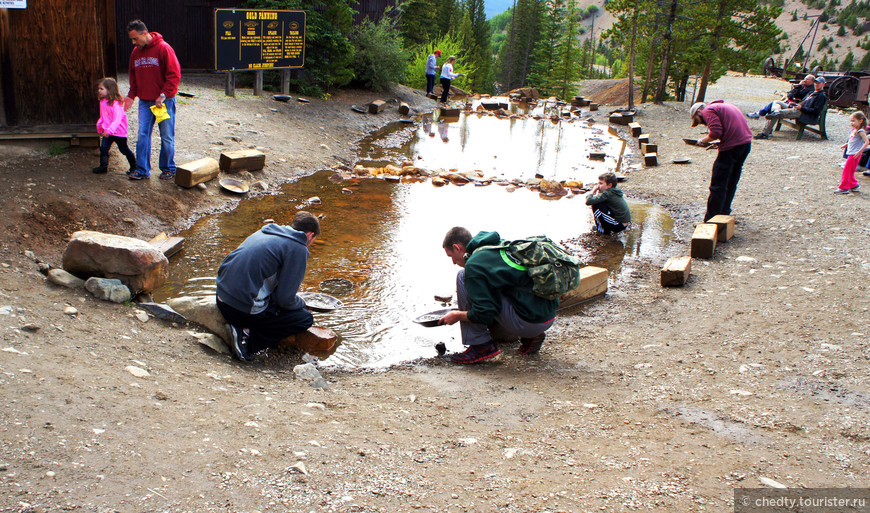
(160, 112)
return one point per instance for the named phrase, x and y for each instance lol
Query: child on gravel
(856, 144)
(112, 125)
(609, 208)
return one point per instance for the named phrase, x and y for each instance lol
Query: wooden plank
(593, 283)
(704, 240)
(404, 109)
(635, 128)
(649, 148)
(377, 106)
(676, 271)
(643, 139)
(593, 106)
(192, 173)
(726, 226)
(167, 245)
(252, 160)
(650, 159)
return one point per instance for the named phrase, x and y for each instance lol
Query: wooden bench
(800, 127)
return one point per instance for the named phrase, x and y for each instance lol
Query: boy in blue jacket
(257, 285)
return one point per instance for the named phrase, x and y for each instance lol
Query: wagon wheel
(818, 70)
(768, 66)
(842, 91)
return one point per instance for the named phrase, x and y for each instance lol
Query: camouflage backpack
(554, 271)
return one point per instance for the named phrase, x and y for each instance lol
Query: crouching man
(495, 298)
(257, 285)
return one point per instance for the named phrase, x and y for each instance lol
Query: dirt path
(654, 399)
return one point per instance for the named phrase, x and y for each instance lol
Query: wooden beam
(676, 271)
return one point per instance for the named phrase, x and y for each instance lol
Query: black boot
(103, 168)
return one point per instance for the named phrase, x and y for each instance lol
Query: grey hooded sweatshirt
(264, 273)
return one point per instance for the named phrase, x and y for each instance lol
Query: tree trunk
(631, 59)
(664, 70)
(647, 83)
(702, 88)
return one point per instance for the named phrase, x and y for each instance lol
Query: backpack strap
(504, 256)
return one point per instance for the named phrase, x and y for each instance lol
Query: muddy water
(500, 148)
(386, 239)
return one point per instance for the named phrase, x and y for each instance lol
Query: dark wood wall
(187, 25)
(51, 55)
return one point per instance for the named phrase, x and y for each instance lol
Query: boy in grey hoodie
(608, 206)
(257, 285)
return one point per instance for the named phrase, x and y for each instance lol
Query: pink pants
(848, 180)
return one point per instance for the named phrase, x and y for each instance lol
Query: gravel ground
(648, 399)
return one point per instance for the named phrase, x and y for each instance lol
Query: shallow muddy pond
(386, 239)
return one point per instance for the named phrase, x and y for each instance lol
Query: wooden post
(285, 81)
(258, 83)
(230, 86)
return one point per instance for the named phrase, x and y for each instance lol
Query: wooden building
(51, 55)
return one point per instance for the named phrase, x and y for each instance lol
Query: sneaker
(532, 345)
(761, 135)
(855, 188)
(866, 173)
(139, 175)
(239, 344)
(167, 175)
(841, 191)
(475, 354)
(131, 171)
(753, 115)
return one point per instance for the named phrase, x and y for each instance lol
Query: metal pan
(233, 185)
(320, 302)
(692, 142)
(433, 318)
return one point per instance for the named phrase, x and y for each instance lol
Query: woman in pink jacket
(112, 125)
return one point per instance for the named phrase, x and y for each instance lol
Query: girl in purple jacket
(112, 125)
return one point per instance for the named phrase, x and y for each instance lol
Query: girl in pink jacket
(112, 125)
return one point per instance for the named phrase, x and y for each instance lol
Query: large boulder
(202, 310)
(139, 266)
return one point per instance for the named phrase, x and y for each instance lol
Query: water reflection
(386, 239)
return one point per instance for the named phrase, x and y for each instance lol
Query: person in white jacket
(447, 76)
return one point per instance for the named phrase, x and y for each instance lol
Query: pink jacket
(113, 119)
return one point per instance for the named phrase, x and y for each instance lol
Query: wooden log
(649, 148)
(196, 172)
(635, 128)
(377, 106)
(593, 106)
(167, 245)
(704, 240)
(404, 109)
(676, 271)
(593, 283)
(726, 226)
(449, 113)
(643, 139)
(651, 159)
(597, 155)
(619, 119)
(252, 160)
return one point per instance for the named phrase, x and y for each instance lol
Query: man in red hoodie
(154, 77)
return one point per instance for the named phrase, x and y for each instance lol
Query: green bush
(416, 73)
(380, 56)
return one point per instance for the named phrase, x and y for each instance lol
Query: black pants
(723, 183)
(122, 147)
(430, 83)
(445, 84)
(604, 221)
(267, 328)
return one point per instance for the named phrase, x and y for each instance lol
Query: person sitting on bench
(806, 112)
(800, 91)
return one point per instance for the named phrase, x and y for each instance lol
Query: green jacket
(613, 198)
(489, 275)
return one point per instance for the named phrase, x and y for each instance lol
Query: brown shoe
(532, 345)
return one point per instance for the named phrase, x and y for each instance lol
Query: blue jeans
(167, 138)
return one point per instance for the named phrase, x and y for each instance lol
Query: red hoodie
(154, 70)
